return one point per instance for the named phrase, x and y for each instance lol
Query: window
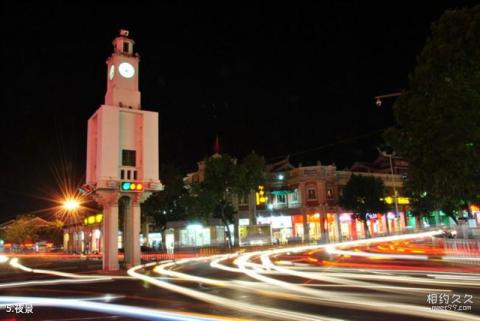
(135, 175)
(128, 174)
(281, 198)
(311, 194)
(126, 47)
(122, 174)
(295, 195)
(329, 193)
(128, 157)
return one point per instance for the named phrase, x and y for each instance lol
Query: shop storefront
(187, 234)
(332, 227)
(350, 228)
(195, 235)
(297, 226)
(154, 240)
(475, 210)
(437, 218)
(314, 227)
(281, 227)
(411, 223)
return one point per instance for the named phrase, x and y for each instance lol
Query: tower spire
(216, 148)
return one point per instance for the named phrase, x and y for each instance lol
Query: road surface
(406, 277)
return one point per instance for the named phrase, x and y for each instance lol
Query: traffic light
(131, 187)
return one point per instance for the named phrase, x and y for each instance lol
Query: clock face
(126, 70)
(112, 72)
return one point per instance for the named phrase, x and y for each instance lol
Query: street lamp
(378, 99)
(71, 205)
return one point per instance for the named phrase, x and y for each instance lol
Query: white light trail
(345, 300)
(233, 304)
(115, 309)
(319, 294)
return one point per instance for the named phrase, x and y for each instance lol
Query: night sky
(294, 79)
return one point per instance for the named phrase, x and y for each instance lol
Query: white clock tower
(122, 78)
(122, 154)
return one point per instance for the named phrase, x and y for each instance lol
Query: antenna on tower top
(124, 32)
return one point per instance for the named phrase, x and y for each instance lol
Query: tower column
(110, 237)
(127, 222)
(132, 248)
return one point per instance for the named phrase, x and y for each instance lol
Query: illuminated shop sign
(401, 200)
(260, 195)
(93, 219)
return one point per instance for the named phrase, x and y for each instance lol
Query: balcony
(281, 206)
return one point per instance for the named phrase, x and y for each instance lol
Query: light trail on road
(267, 273)
(278, 314)
(87, 303)
(105, 308)
(275, 275)
(349, 301)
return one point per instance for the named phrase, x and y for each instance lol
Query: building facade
(303, 203)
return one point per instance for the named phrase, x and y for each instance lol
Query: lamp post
(378, 102)
(395, 193)
(378, 99)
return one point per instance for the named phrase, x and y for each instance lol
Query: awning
(283, 190)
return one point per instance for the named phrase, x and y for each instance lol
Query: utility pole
(395, 196)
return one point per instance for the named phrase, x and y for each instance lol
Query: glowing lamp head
(71, 205)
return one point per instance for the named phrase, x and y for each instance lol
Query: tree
(438, 115)
(421, 205)
(362, 195)
(225, 179)
(29, 228)
(167, 205)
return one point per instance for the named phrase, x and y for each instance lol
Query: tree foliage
(225, 179)
(29, 228)
(438, 116)
(362, 195)
(167, 205)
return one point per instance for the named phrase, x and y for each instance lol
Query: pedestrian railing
(465, 251)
